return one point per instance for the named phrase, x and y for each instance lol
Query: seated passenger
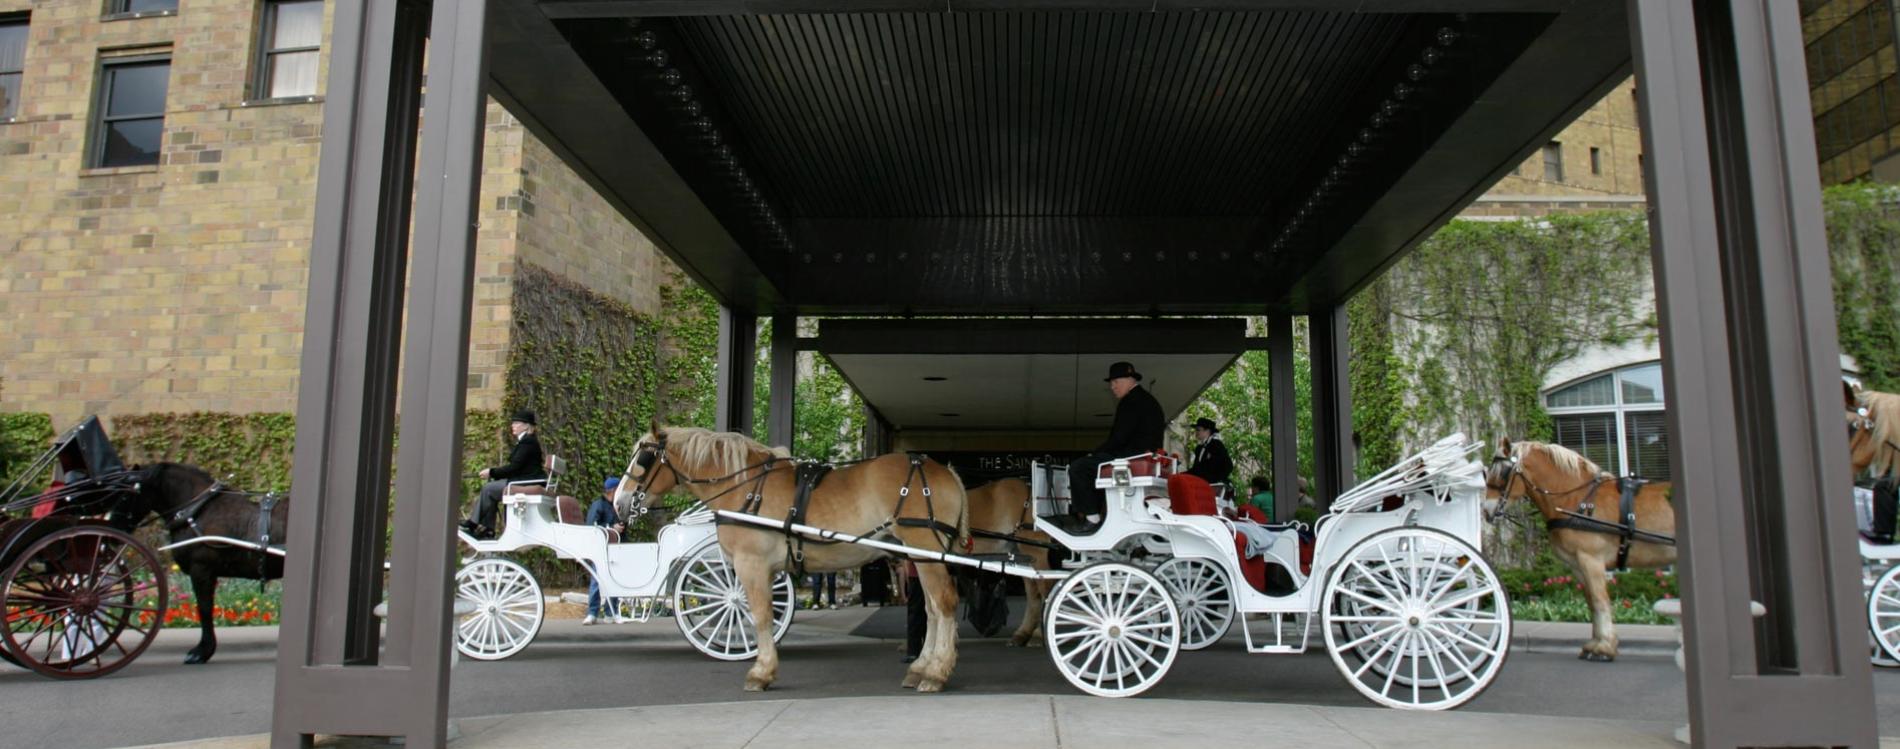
(1211, 462)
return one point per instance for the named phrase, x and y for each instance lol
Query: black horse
(191, 504)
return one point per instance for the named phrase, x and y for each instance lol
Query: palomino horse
(1565, 487)
(1873, 431)
(918, 501)
(1002, 508)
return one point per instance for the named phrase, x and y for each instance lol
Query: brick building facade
(158, 166)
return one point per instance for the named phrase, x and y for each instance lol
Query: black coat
(1138, 426)
(524, 461)
(1211, 462)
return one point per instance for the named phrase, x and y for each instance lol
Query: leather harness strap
(805, 476)
(1584, 519)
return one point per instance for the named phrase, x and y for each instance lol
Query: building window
(1554, 161)
(1596, 160)
(129, 118)
(12, 64)
(1616, 420)
(291, 36)
(117, 7)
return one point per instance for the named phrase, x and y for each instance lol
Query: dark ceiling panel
(1036, 114)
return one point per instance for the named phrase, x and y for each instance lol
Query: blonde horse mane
(1564, 458)
(1884, 409)
(725, 452)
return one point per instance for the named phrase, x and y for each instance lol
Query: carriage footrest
(1071, 524)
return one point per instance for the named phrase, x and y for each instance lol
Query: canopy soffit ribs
(1086, 159)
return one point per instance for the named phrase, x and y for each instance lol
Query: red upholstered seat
(1253, 513)
(1192, 495)
(568, 510)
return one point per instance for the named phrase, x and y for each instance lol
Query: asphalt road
(156, 699)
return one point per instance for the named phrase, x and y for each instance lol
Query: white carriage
(1880, 582)
(1409, 609)
(682, 572)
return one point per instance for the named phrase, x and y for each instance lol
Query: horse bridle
(650, 456)
(1514, 475)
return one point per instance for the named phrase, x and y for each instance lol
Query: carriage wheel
(1416, 619)
(1204, 596)
(709, 606)
(1112, 629)
(1883, 613)
(508, 609)
(72, 598)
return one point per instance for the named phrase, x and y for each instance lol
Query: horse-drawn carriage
(1880, 582)
(83, 597)
(682, 571)
(1408, 608)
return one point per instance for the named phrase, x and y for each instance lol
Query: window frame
(1596, 161)
(1618, 407)
(262, 58)
(102, 101)
(24, 20)
(1553, 168)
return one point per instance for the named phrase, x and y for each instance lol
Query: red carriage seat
(1192, 495)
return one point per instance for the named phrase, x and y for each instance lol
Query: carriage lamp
(1121, 476)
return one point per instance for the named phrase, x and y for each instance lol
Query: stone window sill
(136, 16)
(279, 101)
(110, 171)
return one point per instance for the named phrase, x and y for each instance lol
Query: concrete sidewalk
(1637, 640)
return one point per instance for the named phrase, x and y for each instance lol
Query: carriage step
(1071, 524)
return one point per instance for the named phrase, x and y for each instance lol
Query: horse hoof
(753, 685)
(193, 658)
(929, 685)
(911, 680)
(1596, 657)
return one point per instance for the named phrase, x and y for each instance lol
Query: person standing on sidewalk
(822, 585)
(601, 513)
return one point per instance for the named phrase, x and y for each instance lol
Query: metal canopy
(1040, 375)
(917, 158)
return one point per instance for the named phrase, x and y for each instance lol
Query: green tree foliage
(1863, 232)
(23, 436)
(1241, 402)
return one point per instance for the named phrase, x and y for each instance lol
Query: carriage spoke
(1384, 646)
(1457, 658)
(1472, 595)
(1465, 636)
(1382, 605)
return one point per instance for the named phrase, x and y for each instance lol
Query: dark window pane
(138, 89)
(1593, 435)
(145, 6)
(1597, 391)
(1648, 444)
(296, 24)
(9, 95)
(12, 46)
(132, 142)
(293, 74)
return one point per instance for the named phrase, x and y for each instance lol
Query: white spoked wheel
(1203, 595)
(709, 605)
(1416, 619)
(1112, 629)
(508, 609)
(1883, 613)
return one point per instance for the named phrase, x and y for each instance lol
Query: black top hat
(1206, 423)
(1121, 369)
(524, 416)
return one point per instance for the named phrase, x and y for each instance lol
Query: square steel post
(1752, 376)
(1333, 452)
(738, 343)
(1286, 430)
(782, 415)
(333, 674)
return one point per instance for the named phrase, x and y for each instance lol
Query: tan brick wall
(1610, 127)
(181, 286)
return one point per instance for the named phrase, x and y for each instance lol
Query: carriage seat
(1192, 495)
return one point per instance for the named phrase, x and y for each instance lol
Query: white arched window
(1616, 419)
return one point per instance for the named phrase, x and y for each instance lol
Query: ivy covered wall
(1863, 232)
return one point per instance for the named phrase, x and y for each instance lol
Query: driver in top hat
(524, 465)
(1138, 428)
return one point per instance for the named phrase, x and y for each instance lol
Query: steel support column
(333, 674)
(1286, 430)
(1333, 451)
(782, 416)
(1752, 375)
(738, 348)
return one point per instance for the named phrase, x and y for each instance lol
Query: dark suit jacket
(524, 461)
(1211, 462)
(1138, 426)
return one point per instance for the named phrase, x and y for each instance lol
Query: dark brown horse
(191, 504)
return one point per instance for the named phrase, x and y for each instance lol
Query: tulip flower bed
(1550, 592)
(239, 603)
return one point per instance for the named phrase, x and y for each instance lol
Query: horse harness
(1584, 517)
(185, 519)
(1023, 523)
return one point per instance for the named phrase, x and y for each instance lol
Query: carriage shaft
(1007, 568)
